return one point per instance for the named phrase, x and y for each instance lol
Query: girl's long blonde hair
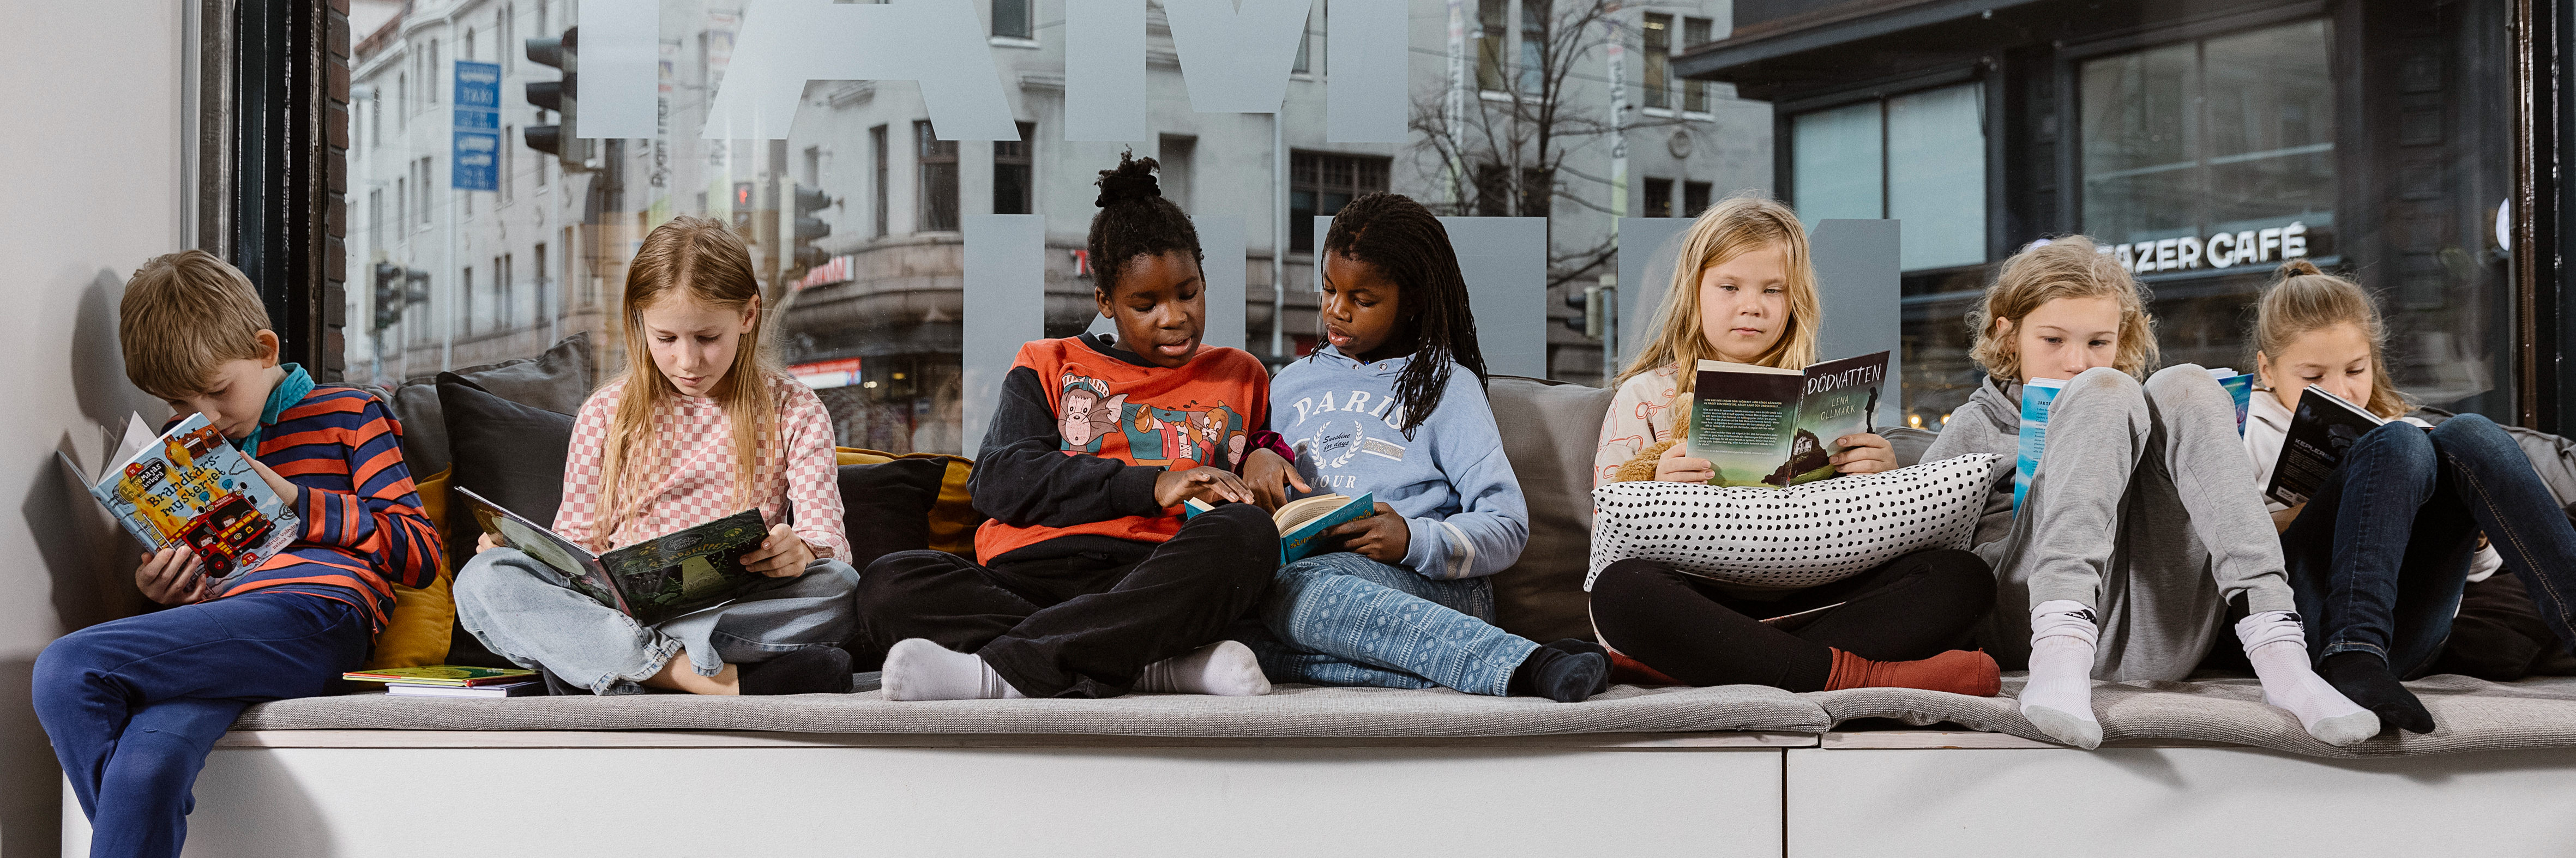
(706, 261)
(1740, 224)
(2068, 267)
(2304, 300)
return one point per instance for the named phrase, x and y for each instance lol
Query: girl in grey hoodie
(2141, 488)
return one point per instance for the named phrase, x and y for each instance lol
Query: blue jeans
(527, 612)
(2378, 558)
(1343, 619)
(134, 705)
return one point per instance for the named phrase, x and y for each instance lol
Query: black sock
(1579, 646)
(814, 670)
(2365, 679)
(1559, 675)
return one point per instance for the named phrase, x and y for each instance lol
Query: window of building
(1695, 198)
(509, 178)
(936, 181)
(538, 256)
(465, 290)
(1658, 60)
(430, 87)
(1011, 19)
(1178, 160)
(877, 188)
(1494, 192)
(470, 56)
(376, 220)
(812, 174)
(1320, 184)
(504, 283)
(402, 100)
(1659, 198)
(1534, 26)
(375, 118)
(422, 184)
(1014, 191)
(1919, 157)
(1306, 42)
(2188, 150)
(1491, 40)
(1695, 32)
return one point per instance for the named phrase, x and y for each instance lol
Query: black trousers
(1909, 608)
(1080, 624)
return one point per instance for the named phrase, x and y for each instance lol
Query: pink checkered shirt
(692, 471)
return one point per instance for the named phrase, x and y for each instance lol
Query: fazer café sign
(2219, 250)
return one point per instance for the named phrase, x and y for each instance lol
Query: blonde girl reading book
(703, 424)
(2141, 525)
(2379, 555)
(1744, 291)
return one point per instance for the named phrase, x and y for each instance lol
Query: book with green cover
(450, 675)
(653, 580)
(1764, 426)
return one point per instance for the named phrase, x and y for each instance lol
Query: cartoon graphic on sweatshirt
(1089, 413)
(1184, 437)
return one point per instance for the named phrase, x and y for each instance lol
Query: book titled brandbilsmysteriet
(1764, 426)
(191, 487)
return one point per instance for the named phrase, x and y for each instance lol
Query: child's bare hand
(1679, 466)
(782, 555)
(285, 490)
(487, 542)
(1383, 536)
(1865, 453)
(172, 576)
(1269, 477)
(1204, 482)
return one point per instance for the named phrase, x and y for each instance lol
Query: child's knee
(2100, 388)
(1240, 523)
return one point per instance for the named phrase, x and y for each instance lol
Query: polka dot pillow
(1785, 539)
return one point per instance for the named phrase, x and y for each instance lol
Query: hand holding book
(172, 576)
(1269, 476)
(1382, 535)
(782, 555)
(1863, 453)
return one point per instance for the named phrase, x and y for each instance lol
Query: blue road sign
(477, 152)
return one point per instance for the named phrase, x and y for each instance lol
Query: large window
(2212, 154)
(1320, 184)
(1660, 43)
(1918, 157)
(1014, 186)
(935, 179)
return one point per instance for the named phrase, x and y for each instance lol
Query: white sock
(2277, 644)
(2059, 696)
(916, 669)
(1224, 668)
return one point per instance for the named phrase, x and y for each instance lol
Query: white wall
(90, 187)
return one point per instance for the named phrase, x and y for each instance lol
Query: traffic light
(809, 228)
(560, 139)
(397, 288)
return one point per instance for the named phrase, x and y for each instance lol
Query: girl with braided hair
(1091, 584)
(1395, 405)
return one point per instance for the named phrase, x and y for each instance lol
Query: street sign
(475, 163)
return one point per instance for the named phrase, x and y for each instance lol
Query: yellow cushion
(952, 517)
(417, 632)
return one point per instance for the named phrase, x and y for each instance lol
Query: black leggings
(1681, 625)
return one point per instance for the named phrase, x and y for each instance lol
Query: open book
(2323, 427)
(1302, 521)
(191, 487)
(1764, 426)
(653, 580)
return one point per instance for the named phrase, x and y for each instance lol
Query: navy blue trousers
(134, 705)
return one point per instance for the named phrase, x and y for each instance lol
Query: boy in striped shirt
(133, 705)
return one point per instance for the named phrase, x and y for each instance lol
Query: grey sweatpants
(2142, 509)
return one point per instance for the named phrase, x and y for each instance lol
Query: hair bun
(1133, 180)
(2298, 268)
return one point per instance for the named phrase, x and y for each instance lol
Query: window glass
(936, 163)
(1659, 198)
(1012, 164)
(1839, 160)
(1659, 60)
(1319, 184)
(1011, 18)
(1936, 175)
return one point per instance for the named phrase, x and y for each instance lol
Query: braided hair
(1407, 244)
(1135, 220)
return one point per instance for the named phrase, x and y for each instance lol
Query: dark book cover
(2323, 427)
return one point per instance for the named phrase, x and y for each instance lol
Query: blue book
(192, 487)
(1302, 522)
(2035, 398)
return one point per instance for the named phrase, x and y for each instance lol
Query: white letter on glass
(785, 43)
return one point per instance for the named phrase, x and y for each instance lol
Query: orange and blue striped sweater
(363, 527)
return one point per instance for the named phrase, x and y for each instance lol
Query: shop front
(2202, 144)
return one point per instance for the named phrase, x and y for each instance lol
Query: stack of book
(448, 680)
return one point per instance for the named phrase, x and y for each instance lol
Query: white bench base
(383, 794)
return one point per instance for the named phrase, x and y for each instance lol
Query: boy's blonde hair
(703, 260)
(2069, 267)
(1741, 224)
(2305, 300)
(183, 315)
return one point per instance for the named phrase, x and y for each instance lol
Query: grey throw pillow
(1550, 430)
(557, 380)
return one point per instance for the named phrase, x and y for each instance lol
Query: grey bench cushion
(2475, 715)
(1290, 711)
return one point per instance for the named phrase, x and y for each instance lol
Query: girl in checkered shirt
(704, 424)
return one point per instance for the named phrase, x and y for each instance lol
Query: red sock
(1957, 671)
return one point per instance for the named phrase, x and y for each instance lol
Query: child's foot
(916, 669)
(2365, 680)
(1957, 672)
(2058, 699)
(1579, 646)
(2278, 646)
(821, 670)
(1224, 669)
(1560, 674)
